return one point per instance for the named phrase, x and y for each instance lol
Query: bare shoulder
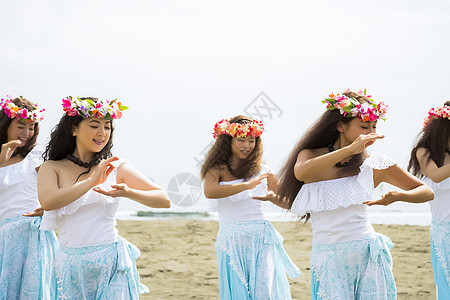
(306, 154)
(422, 153)
(51, 165)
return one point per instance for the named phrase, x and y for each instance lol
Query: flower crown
(350, 106)
(86, 108)
(437, 112)
(21, 114)
(253, 129)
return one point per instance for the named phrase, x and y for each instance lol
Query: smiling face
(242, 147)
(351, 130)
(20, 131)
(92, 134)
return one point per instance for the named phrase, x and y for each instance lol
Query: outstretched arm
(429, 167)
(214, 190)
(51, 196)
(134, 185)
(309, 167)
(414, 190)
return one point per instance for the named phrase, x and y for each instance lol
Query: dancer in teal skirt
(252, 261)
(430, 160)
(79, 187)
(26, 252)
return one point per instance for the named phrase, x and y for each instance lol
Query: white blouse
(89, 220)
(440, 205)
(335, 206)
(241, 207)
(18, 185)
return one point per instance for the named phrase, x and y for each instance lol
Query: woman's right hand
(252, 183)
(363, 141)
(103, 170)
(8, 150)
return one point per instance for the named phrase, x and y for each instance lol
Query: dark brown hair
(220, 153)
(434, 137)
(321, 134)
(5, 122)
(62, 142)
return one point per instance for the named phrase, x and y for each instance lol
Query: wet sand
(178, 259)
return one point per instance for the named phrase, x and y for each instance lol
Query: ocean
(190, 203)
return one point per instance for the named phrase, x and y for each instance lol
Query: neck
(234, 161)
(83, 156)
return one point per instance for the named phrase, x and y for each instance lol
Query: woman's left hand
(386, 199)
(271, 196)
(38, 212)
(118, 190)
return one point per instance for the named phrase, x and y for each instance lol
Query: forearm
(152, 198)
(222, 191)
(310, 169)
(280, 202)
(419, 194)
(58, 198)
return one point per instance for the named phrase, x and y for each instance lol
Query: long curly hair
(434, 137)
(220, 154)
(321, 134)
(62, 142)
(5, 122)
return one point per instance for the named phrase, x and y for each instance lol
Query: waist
(341, 225)
(239, 211)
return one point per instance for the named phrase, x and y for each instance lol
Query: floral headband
(350, 107)
(21, 114)
(253, 129)
(437, 112)
(86, 108)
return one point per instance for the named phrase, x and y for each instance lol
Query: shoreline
(178, 258)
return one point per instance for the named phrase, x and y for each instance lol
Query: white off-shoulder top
(440, 205)
(241, 207)
(88, 221)
(18, 185)
(335, 206)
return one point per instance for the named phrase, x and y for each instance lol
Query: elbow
(45, 206)
(430, 194)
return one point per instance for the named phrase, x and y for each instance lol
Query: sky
(181, 66)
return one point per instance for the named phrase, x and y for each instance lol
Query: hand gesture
(386, 199)
(272, 182)
(363, 141)
(118, 190)
(38, 212)
(8, 150)
(271, 196)
(252, 183)
(103, 170)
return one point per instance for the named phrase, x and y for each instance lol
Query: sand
(178, 259)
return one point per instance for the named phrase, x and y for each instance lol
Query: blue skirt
(440, 257)
(252, 262)
(26, 258)
(360, 269)
(98, 272)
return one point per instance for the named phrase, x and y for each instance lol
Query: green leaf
(122, 107)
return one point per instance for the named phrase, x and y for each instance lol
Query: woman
(430, 160)
(328, 178)
(79, 185)
(252, 260)
(26, 252)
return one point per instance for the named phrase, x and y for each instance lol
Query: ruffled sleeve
(341, 192)
(19, 172)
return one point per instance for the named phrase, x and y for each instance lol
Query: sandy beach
(178, 259)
